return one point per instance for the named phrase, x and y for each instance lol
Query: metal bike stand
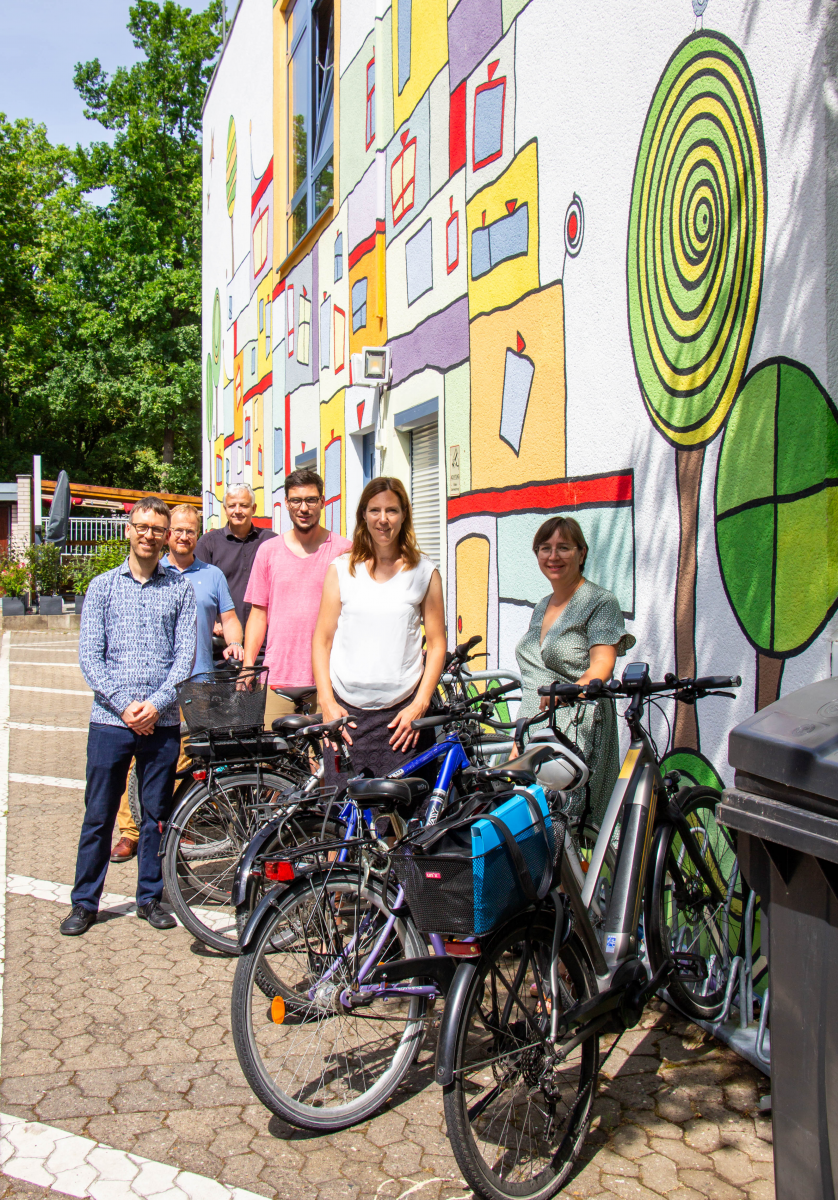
(749, 1038)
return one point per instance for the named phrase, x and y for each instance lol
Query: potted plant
(14, 583)
(45, 568)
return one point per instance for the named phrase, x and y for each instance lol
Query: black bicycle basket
(451, 890)
(219, 700)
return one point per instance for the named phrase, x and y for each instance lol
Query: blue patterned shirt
(137, 642)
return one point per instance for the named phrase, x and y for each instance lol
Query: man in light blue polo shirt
(214, 603)
(210, 586)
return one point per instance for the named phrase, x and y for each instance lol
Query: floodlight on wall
(371, 367)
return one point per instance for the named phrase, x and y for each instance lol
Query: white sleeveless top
(376, 656)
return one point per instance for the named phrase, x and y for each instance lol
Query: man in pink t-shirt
(284, 590)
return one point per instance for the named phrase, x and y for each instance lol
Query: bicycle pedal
(689, 968)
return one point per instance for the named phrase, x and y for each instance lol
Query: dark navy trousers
(110, 749)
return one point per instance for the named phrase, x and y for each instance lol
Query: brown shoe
(123, 851)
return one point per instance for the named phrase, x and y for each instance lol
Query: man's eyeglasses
(154, 531)
(307, 502)
(184, 533)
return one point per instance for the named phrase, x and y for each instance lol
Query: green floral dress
(592, 618)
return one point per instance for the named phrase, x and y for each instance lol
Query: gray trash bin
(784, 806)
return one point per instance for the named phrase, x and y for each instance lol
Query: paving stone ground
(123, 1036)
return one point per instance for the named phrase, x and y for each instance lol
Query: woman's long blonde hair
(362, 547)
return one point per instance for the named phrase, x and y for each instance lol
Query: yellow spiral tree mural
(696, 245)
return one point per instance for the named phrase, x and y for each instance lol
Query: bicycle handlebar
(615, 687)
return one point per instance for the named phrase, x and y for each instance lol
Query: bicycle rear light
(280, 872)
(199, 774)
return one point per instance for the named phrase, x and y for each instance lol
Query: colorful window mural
(331, 480)
(279, 455)
(418, 262)
(338, 257)
(403, 178)
(452, 238)
(325, 330)
(304, 330)
(359, 304)
(340, 338)
(289, 311)
(487, 134)
(370, 115)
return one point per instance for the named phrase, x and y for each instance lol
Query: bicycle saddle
(401, 793)
(521, 769)
(297, 695)
(294, 722)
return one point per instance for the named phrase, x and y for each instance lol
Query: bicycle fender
(449, 1026)
(173, 824)
(267, 902)
(253, 848)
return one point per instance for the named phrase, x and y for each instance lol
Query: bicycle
(335, 1038)
(518, 1055)
(239, 776)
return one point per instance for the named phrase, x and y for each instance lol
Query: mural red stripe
(263, 522)
(566, 493)
(258, 388)
(262, 187)
(278, 290)
(457, 129)
(228, 441)
(288, 433)
(365, 246)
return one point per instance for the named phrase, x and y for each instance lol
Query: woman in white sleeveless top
(367, 648)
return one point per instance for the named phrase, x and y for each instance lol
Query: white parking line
(28, 662)
(48, 728)
(58, 781)
(21, 687)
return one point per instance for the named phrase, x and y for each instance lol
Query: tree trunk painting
(689, 464)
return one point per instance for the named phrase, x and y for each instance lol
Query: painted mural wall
(595, 241)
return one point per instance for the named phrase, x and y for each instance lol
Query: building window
(259, 459)
(261, 315)
(368, 456)
(253, 360)
(418, 262)
(289, 310)
(227, 471)
(219, 469)
(340, 338)
(255, 412)
(402, 178)
(260, 242)
(247, 440)
(279, 447)
(405, 15)
(267, 328)
(310, 73)
(325, 324)
(487, 134)
(331, 480)
(304, 330)
(452, 237)
(239, 467)
(338, 257)
(359, 304)
(370, 122)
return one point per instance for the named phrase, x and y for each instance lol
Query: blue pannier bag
(469, 874)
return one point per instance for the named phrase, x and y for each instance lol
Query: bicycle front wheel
(682, 913)
(308, 1057)
(516, 1118)
(202, 852)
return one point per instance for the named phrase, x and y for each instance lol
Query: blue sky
(42, 40)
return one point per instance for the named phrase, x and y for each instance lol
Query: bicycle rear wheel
(308, 1058)
(202, 852)
(516, 1119)
(681, 912)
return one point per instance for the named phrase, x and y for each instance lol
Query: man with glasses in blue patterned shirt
(137, 642)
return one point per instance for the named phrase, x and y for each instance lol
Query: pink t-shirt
(290, 589)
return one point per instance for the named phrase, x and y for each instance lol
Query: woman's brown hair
(567, 527)
(362, 547)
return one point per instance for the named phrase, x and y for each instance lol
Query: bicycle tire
(202, 852)
(312, 1068)
(673, 913)
(516, 1131)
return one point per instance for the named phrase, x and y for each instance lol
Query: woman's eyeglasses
(562, 551)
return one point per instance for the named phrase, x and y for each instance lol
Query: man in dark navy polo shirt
(233, 548)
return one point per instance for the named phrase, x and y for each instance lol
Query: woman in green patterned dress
(576, 634)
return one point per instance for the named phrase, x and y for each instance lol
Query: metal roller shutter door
(424, 488)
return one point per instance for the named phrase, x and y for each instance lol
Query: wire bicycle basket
(214, 701)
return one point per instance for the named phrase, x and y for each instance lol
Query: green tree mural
(696, 244)
(777, 514)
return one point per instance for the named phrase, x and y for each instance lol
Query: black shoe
(79, 921)
(153, 913)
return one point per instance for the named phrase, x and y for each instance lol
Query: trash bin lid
(792, 743)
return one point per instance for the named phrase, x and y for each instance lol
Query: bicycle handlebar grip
(718, 681)
(494, 692)
(568, 691)
(430, 722)
(464, 647)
